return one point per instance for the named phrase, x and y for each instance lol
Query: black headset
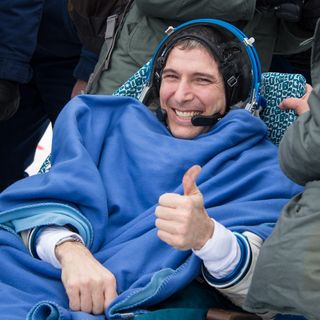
(239, 83)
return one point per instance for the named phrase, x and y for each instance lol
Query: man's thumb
(189, 181)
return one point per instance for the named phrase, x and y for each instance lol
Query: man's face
(191, 85)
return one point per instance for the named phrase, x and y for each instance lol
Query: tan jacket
(147, 21)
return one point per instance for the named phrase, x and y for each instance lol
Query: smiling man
(135, 209)
(191, 85)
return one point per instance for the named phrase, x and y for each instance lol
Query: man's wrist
(66, 247)
(69, 238)
(221, 253)
(47, 240)
(207, 235)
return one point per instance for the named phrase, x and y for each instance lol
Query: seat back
(274, 88)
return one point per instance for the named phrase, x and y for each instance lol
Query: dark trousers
(39, 49)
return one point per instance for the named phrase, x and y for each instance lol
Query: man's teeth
(186, 114)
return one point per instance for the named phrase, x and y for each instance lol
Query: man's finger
(173, 240)
(167, 213)
(97, 301)
(167, 226)
(166, 237)
(189, 181)
(109, 295)
(170, 200)
(74, 298)
(85, 300)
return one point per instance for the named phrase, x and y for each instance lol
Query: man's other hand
(89, 285)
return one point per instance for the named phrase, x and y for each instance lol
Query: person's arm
(228, 257)
(300, 145)
(49, 238)
(195, 9)
(299, 148)
(235, 283)
(222, 253)
(89, 285)
(83, 70)
(42, 241)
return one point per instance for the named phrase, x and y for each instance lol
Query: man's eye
(203, 80)
(169, 76)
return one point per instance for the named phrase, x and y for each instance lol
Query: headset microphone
(204, 121)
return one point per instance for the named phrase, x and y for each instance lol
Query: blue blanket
(111, 160)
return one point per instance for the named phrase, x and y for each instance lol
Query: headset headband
(243, 39)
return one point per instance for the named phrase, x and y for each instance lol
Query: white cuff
(47, 241)
(221, 253)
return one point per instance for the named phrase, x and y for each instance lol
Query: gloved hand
(289, 10)
(275, 3)
(310, 14)
(9, 99)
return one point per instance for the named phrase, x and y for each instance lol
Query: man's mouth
(186, 115)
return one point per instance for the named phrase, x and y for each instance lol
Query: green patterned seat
(274, 88)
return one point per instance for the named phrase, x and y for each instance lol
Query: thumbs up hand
(182, 221)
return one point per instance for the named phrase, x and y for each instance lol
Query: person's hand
(9, 99)
(78, 88)
(90, 286)
(182, 221)
(300, 105)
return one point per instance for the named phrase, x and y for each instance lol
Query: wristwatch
(71, 238)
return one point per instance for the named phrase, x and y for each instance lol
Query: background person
(292, 273)
(146, 22)
(41, 55)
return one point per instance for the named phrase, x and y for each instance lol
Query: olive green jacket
(287, 278)
(147, 21)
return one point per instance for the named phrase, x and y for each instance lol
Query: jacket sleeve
(299, 148)
(86, 64)
(194, 9)
(236, 285)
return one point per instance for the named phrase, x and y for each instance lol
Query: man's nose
(184, 92)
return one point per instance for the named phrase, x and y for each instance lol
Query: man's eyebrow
(165, 70)
(206, 75)
(197, 74)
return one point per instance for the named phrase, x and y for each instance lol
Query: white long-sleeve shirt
(228, 258)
